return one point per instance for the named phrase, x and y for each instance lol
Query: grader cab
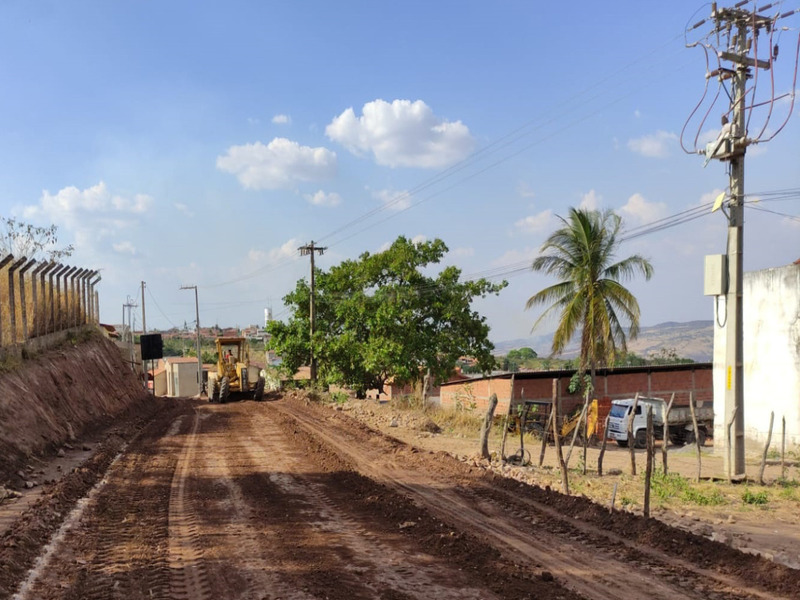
(234, 378)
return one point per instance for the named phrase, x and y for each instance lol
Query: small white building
(181, 376)
(771, 330)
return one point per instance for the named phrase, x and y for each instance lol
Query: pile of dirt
(57, 396)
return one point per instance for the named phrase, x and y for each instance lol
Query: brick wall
(659, 381)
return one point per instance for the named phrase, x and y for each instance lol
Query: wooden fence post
(665, 432)
(766, 449)
(783, 447)
(696, 436)
(487, 427)
(564, 475)
(648, 472)
(578, 427)
(603, 448)
(546, 433)
(631, 441)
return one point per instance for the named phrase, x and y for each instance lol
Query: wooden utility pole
(310, 249)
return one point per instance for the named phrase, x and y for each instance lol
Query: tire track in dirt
(368, 565)
(115, 549)
(671, 567)
(586, 562)
(239, 556)
(188, 579)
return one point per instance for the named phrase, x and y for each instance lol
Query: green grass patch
(671, 485)
(704, 497)
(755, 498)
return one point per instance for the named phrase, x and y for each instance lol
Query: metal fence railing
(42, 297)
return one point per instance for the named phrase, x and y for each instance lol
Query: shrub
(755, 498)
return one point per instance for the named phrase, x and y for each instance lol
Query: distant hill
(694, 340)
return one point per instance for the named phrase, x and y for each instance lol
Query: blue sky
(201, 143)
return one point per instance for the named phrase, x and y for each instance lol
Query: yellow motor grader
(235, 378)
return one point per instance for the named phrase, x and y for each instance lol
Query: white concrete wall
(771, 314)
(181, 379)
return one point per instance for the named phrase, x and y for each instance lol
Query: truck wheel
(622, 443)
(640, 439)
(213, 391)
(224, 390)
(258, 394)
(701, 437)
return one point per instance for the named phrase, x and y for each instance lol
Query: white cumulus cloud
(656, 145)
(278, 164)
(92, 216)
(535, 223)
(321, 198)
(591, 200)
(419, 239)
(282, 120)
(402, 134)
(709, 197)
(286, 250)
(640, 210)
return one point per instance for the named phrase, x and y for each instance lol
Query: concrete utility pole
(144, 320)
(741, 28)
(144, 331)
(310, 249)
(130, 304)
(200, 387)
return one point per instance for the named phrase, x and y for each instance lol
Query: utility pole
(200, 387)
(735, 30)
(144, 331)
(310, 249)
(130, 304)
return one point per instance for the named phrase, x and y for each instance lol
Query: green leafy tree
(23, 239)
(379, 318)
(589, 297)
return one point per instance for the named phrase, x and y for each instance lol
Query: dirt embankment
(58, 395)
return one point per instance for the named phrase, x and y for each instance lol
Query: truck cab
(620, 413)
(680, 426)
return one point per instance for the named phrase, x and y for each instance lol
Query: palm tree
(589, 294)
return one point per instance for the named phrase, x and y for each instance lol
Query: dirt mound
(58, 395)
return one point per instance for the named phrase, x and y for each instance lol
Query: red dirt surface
(288, 499)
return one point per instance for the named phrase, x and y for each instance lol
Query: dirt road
(289, 500)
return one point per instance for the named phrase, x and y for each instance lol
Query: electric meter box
(716, 275)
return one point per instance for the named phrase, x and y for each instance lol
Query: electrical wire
(775, 212)
(153, 298)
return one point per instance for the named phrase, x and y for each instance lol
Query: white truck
(680, 428)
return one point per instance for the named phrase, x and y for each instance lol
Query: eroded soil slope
(58, 395)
